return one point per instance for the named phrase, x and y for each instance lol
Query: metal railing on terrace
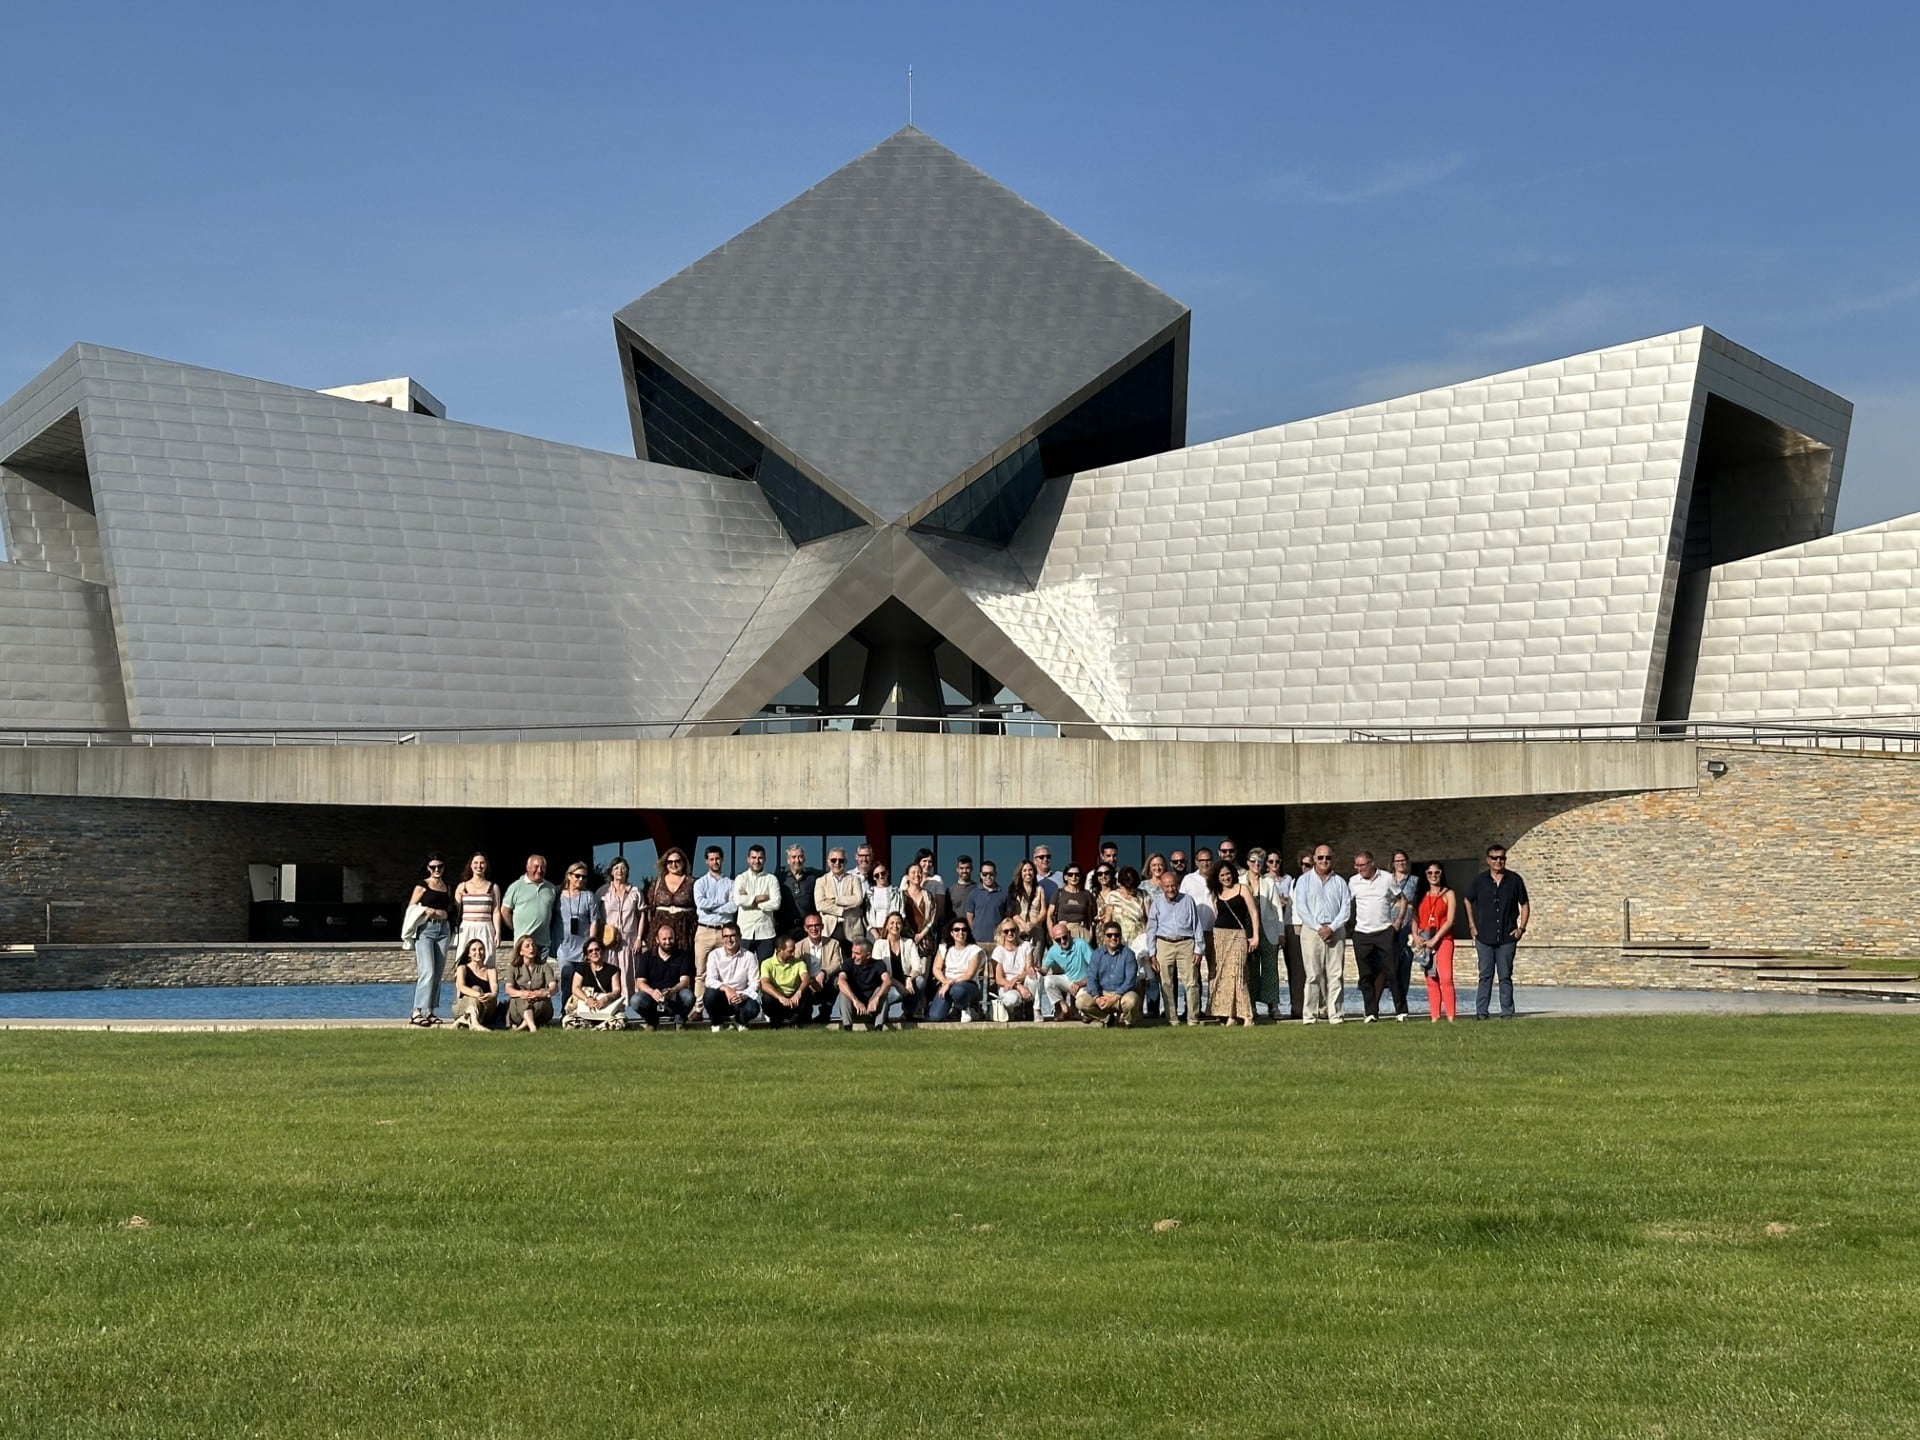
(1879, 733)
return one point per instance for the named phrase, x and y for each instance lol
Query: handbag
(609, 935)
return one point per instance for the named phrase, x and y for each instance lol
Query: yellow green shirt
(787, 977)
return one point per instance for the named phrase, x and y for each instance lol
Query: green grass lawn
(1643, 1227)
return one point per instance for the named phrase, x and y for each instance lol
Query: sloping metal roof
(278, 557)
(900, 322)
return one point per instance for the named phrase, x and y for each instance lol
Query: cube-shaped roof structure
(900, 329)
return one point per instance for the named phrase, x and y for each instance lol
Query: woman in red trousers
(1433, 940)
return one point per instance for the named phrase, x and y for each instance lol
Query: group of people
(1186, 943)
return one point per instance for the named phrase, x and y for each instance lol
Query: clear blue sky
(1356, 200)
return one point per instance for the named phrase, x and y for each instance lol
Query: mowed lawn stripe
(1588, 1227)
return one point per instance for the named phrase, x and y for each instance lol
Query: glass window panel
(605, 855)
(949, 848)
(744, 843)
(1059, 846)
(1166, 845)
(814, 845)
(643, 859)
(1006, 852)
(903, 848)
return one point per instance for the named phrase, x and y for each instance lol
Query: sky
(1356, 201)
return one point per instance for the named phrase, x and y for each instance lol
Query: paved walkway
(1535, 1002)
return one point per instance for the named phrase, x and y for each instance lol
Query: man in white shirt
(1376, 947)
(756, 896)
(732, 982)
(1321, 903)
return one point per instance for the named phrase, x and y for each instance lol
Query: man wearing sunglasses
(1497, 913)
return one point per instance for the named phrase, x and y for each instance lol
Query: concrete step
(1760, 961)
(1848, 978)
(1895, 990)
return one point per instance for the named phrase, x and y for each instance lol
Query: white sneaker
(1336, 1019)
(1308, 1019)
(1401, 1017)
(966, 1017)
(717, 1029)
(1370, 1019)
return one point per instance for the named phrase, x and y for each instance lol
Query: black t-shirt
(603, 981)
(665, 974)
(863, 980)
(1496, 908)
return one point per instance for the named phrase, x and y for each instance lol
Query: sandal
(419, 1020)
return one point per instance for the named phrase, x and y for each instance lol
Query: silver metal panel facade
(58, 665)
(1492, 551)
(1829, 628)
(280, 557)
(901, 321)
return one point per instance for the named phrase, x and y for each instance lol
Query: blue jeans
(1495, 958)
(429, 962)
(961, 995)
(679, 1005)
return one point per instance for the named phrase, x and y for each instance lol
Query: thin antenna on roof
(909, 94)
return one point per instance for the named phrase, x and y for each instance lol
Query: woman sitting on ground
(894, 948)
(530, 987)
(599, 998)
(1016, 979)
(958, 970)
(476, 987)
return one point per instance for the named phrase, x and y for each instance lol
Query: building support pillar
(873, 824)
(1087, 827)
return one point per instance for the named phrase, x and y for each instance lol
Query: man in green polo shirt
(783, 985)
(528, 906)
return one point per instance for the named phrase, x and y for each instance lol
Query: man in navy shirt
(1497, 914)
(1110, 995)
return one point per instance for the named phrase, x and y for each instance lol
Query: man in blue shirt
(1176, 936)
(1320, 905)
(714, 905)
(1111, 995)
(986, 903)
(1066, 964)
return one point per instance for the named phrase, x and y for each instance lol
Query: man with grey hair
(1320, 904)
(1376, 941)
(840, 900)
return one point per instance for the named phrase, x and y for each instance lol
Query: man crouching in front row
(1110, 995)
(867, 991)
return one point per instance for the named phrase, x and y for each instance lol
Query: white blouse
(955, 960)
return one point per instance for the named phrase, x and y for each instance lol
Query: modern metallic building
(908, 445)
(911, 456)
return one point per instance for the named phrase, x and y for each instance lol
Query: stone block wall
(89, 967)
(1790, 849)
